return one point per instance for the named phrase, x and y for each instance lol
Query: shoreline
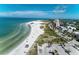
(34, 33)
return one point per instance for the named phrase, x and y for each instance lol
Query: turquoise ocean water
(12, 32)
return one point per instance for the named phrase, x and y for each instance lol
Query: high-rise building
(57, 22)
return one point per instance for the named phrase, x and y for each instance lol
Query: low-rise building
(76, 35)
(71, 29)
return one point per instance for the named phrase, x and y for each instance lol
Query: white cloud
(60, 9)
(24, 13)
(32, 14)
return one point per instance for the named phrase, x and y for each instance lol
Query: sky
(40, 10)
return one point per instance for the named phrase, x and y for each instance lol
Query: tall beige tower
(57, 22)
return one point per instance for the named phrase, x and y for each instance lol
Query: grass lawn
(49, 36)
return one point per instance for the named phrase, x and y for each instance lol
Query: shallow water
(12, 34)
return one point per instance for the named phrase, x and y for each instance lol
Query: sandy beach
(35, 32)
